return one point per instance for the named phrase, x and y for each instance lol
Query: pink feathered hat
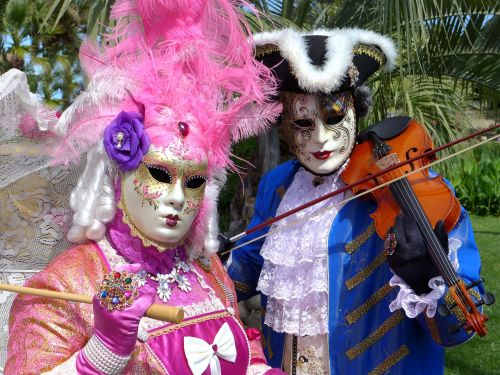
(182, 68)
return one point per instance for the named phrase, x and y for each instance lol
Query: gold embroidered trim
(363, 309)
(266, 49)
(242, 287)
(456, 310)
(431, 323)
(376, 335)
(373, 52)
(281, 191)
(186, 323)
(390, 361)
(355, 244)
(205, 264)
(155, 357)
(365, 272)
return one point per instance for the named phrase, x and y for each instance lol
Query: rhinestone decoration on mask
(300, 307)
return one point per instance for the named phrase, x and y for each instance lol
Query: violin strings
(424, 225)
(428, 229)
(403, 188)
(341, 203)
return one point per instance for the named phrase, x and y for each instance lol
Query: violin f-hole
(409, 156)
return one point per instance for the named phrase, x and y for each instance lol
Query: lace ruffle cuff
(414, 304)
(103, 359)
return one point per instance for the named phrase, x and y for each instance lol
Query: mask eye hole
(160, 174)
(195, 182)
(304, 123)
(335, 119)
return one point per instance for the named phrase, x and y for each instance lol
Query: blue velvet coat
(364, 336)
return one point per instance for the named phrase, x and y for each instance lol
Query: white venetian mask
(320, 129)
(162, 197)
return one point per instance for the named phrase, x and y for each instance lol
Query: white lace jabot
(295, 271)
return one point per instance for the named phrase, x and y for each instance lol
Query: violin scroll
(473, 321)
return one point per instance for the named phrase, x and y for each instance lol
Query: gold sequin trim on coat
(373, 52)
(281, 191)
(241, 287)
(433, 329)
(266, 49)
(390, 361)
(187, 323)
(355, 244)
(363, 309)
(376, 335)
(456, 310)
(365, 272)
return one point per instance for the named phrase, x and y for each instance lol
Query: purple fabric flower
(126, 141)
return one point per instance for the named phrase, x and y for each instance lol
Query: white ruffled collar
(295, 271)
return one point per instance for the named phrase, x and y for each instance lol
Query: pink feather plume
(190, 56)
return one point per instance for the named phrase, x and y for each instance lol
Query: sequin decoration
(338, 103)
(117, 290)
(390, 243)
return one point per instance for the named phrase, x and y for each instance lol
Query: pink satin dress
(45, 333)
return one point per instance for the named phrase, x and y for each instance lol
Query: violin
(421, 195)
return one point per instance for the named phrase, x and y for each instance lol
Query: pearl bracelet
(103, 359)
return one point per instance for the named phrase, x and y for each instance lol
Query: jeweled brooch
(117, 290)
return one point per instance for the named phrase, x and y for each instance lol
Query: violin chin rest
(386, 129)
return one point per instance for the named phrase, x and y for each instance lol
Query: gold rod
(164, 313)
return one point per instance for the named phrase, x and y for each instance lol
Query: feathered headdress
(176, 61)
(187, 69)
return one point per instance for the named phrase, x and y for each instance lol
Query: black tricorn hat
(324, 61)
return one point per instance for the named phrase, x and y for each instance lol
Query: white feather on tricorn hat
(324, 61)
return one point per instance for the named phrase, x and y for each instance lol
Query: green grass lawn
(481, 355)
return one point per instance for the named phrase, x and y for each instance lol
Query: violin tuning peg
(474, 283)
(444, 310)
(488, 298)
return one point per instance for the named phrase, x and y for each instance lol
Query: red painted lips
(321, 155)
(171, 220)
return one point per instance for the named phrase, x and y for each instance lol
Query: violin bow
(356, 183)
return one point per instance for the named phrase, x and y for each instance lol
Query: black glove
(224, 246)
(410, 259)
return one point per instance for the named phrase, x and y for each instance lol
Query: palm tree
(49, 57)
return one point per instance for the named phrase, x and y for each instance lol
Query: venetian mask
(163, 195)
(320, 129)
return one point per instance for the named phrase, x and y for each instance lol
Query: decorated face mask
(162, 197)
(320, 130)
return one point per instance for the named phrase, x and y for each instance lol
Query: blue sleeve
(246, 261)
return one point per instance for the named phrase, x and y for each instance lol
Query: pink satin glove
(118, 329)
